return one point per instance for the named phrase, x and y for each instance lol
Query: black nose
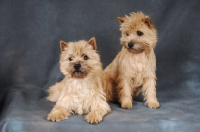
(77, 66)
(130, 45)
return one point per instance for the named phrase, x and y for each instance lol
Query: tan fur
(80, 92)
(133, 69)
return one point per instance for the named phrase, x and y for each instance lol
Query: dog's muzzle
(77, 67)
(78, 71)
(134, 49)
(131, 45)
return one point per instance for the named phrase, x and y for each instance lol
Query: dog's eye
(139, 33)
(70, 58)
(85, 57)
(127, 34)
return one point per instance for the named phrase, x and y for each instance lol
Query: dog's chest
(138, 68)
(79, 89)
(78, 94)
(138, 64)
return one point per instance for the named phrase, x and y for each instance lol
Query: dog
(133, 69)
(80, 92)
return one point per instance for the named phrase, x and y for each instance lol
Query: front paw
(153, 104)
(127, 104)
(93, 118)
(57, 115)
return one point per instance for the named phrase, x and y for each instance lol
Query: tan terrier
(80, 92)
(133, 69)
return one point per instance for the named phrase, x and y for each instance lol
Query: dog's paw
(57, 116)
(153, 104)
(93, 118)
(127, 105)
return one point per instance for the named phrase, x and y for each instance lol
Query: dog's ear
(92, 42)
(148, 22)
(121, 19)
(63, 45)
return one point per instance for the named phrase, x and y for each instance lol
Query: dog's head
(79, 59)
(138, 32)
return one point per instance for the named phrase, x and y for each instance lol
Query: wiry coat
(133, 69)
(80, 92)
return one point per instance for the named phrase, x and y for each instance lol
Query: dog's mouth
(78, 73)
(134, 48)
(136, 51)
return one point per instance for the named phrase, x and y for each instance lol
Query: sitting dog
(80, 92)
(133, 70)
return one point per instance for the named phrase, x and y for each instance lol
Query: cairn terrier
(80, 92)
(133, 70)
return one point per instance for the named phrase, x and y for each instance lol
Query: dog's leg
(109, 90)
(149, 92)
(108, 86)
(58, 113)
(98, 109)
(125, 93)
(96, 115)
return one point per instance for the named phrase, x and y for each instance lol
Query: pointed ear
(148, 22)
(92, 42)
(121, 19)
(63, 45)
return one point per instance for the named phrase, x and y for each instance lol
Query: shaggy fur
(80, 92)
(133, 69)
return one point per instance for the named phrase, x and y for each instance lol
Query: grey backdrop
(30, 31)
